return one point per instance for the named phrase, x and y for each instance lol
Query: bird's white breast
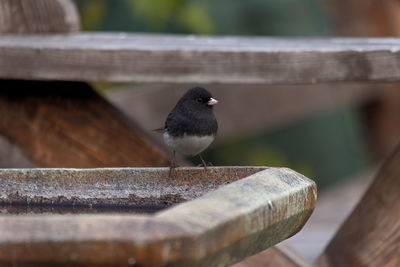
(188, 144)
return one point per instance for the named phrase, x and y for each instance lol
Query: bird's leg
(173, 164)
(202, 160)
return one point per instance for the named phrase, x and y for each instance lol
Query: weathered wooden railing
(198, 59)
(66, 124)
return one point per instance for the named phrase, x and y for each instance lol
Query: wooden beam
(67, 124)
(381, 120)
(194, 59)
(370, 236)
(38, 16)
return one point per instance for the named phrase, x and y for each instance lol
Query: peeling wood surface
(194, 59)
(370, 236)
(219, 228)
(68, 124)
(38, 16)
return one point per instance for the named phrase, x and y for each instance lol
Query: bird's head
(199, 98)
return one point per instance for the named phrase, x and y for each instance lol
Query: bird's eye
(199, 99)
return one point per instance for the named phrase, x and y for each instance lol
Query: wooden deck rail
(123, 57)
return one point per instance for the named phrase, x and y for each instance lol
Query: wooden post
(38, 16)
(370, 236)
(67, 124)
(365, 19)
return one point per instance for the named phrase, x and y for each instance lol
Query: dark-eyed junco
(191, 126)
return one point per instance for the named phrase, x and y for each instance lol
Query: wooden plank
(38, 16)
(199, 59)
(370, 236)
(382, 121)
(217, 229)
(334, 205)
(67, 124)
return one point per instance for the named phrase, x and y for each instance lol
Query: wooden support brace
(68, 124)
(371, 234)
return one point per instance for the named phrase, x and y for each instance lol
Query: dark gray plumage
(191, 126)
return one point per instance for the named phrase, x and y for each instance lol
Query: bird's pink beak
(212, 102)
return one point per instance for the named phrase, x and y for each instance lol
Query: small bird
(191, 126)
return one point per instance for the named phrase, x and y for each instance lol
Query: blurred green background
(252, 17)
(327, 147)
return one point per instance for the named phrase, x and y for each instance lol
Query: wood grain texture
(38, 16)
(67, 124)
(193, 59)
(371, 234)
(217, 229)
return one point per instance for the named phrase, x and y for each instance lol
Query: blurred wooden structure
(69, 112)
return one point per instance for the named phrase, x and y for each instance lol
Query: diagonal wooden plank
(68, 124)
(371, 234)
(199, 59)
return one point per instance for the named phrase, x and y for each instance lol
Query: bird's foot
(173, 166)
(172, 171)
